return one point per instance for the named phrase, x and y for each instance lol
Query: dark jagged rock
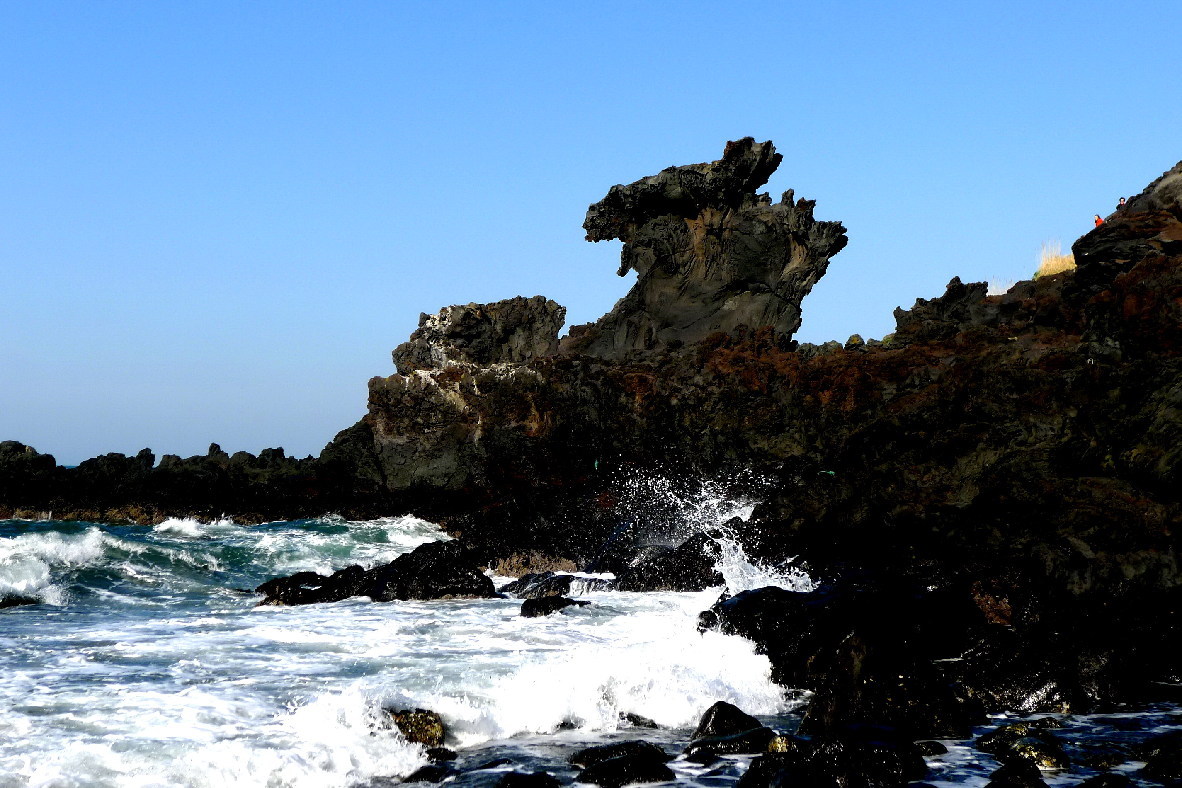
(688, 567)
(544, 606)
(724, 719)
(1163, 757)
(865, 650)
(710, 254)
(860, 757)
(510, 331)
(440, 755)
(17, 600)
(431, 571)
(419, 726)
(536, 586)
(626, 770)
(435, 570)
(431, 773)
(1020, 454)
(706, 748)
(1025, 741)
(637, 720)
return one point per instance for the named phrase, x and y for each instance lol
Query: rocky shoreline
(989, 497)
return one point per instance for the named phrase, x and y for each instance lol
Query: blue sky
(217, 219)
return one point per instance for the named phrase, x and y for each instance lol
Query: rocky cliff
(992, 494)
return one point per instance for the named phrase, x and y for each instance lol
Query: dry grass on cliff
(1051, 260)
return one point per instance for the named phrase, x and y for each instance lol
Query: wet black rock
(436, 570)
(419, 726)
(534, 608)
(866, 650)
(1016, 774)
(928, 748)
(724, 719)
(637, 720)
(704, 749)
(1163, 757)
(626, 770)
(431, 571)
(1026, 741)
(635, 748)
(432, 773)
(528, 780)
(16, 600)
(541, 584)
(689, 566)
(440, 754)
(868, 758)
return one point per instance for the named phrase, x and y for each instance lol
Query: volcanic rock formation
(710, 254)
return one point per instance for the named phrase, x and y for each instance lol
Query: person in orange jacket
(1099, 221)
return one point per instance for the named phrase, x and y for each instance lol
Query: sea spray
(156, 672)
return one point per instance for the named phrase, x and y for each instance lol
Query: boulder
(689, 566)
(535, 586)
(626, 770)
(1026, 741)
(1016, 774)
(17, 600)
(435, 570)
(724, 719)
(419, 726)
(544, 606)
(635, 748)
(528, 780)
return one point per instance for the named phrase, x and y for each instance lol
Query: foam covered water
(144, 665)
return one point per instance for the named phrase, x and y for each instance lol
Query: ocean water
(148, 662)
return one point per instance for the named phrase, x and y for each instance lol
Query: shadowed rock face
(710, 254)
(513, 330)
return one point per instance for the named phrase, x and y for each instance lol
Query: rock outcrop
(510, 331)
(1017, 458)
(709, 253)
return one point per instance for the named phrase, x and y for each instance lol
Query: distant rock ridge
(710, 254)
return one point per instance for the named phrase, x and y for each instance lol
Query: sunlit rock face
(513, 330)
(710, 254)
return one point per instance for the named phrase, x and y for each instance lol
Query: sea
(148, 662)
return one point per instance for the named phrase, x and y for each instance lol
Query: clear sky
(218, 218)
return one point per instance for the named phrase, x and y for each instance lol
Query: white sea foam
(160, 675)
(27, 561)
(194, 528)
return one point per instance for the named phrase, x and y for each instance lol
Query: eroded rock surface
(710, 254)
(510, 331)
